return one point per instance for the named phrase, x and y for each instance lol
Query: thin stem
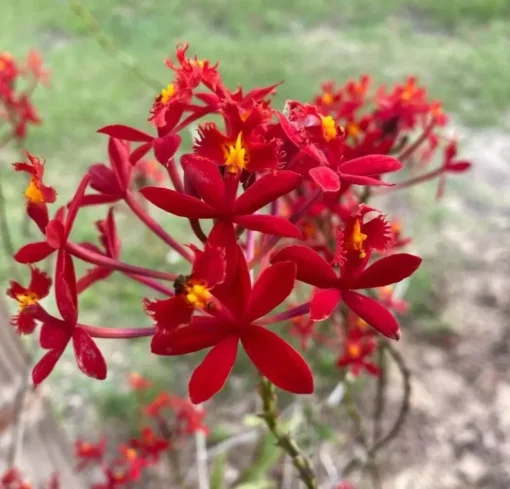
(412, 181)
(271, 416)
(285, 315)
(273, 240)
(379, 396)
(413, 147)
(197, 229)
(202, 472)
(155, 227)
(173, 173)
(107, 262)
(117, 333)
(152, 284)
(108, 44)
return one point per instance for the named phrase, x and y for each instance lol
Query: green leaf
(217, 479)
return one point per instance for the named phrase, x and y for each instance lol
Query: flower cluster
(16, 106)
(167, 422)
(253, 178)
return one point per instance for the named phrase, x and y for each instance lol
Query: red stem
(155, 227)
(413, 147)
(300, 310)
(273, 240)
(104, 261)
(153, 284)
(117, 333)
(412, 181)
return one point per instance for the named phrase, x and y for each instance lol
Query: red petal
(97, 199)
(169, 313)
(118, 153)
(55, 234)
(40, 282)
(203, 332)
(265, 190)
(210, 376)
(277, 360)
(277, 226)
(91, 277)
(205, 178)
(235, 291)
(139, 153)
(53, 337)
(272, 287)
(15, 288)
(311, 267)
(378, 232)
(165, 147)
(65, 288)
(373, 313)
(323, 303)
(45, 365)
(327, 179)
(88, 356)
(39, 214)
(361, 180)
(223, 236)
(458, 166)
(209, 266)
(370, 165)
(75, 204)
(33, 252)
(386, 271)
(120, 131)
(177, 203)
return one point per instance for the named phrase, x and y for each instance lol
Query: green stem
(271, 416)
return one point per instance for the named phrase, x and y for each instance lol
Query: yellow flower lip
(236, 155)
(27, 299)
(329, 130)
(33, 192)
(167, 93)
(197, 295)
(355, 241)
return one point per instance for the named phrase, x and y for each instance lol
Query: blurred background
(457, 336)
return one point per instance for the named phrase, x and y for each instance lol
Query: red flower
(246, 146)
(148, 171)
(57, 333)
(451, 165)
(358, 348)
(149, 445)
(37, 194)
(12, 479)
(192, 291)
(34, 64)
(88, 453)
(57, 230)
(314, 270)
(190, 418)
(219, 197)
(319, 144)
(137, 382)
(236, 322)
(39, 288)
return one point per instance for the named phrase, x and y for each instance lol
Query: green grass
(457, 48)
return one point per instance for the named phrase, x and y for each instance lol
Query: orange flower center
(329, 130)
(197, 62)
(361, 324)
(310, 230)
(355, 242)
(197, 294)
(27, 299)
(236, 155)
(118, 475)
(131, 454)
(167, 93)
(327, 98)
(408, 92)
(354, 350)
(33, 192)
(353, 129)
(396, 227)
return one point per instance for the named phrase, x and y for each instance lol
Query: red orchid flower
(247, 146)
(314, 270)
(358, 348)
(320, 149)
(88, 453)
(236, 322)
(137, 382)
(57, 230)
(38, 194)
(219, 197)
(149, 445)
(190, 418)
(57, 333)
(451, 165)
(39, 288)
(193, 291)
